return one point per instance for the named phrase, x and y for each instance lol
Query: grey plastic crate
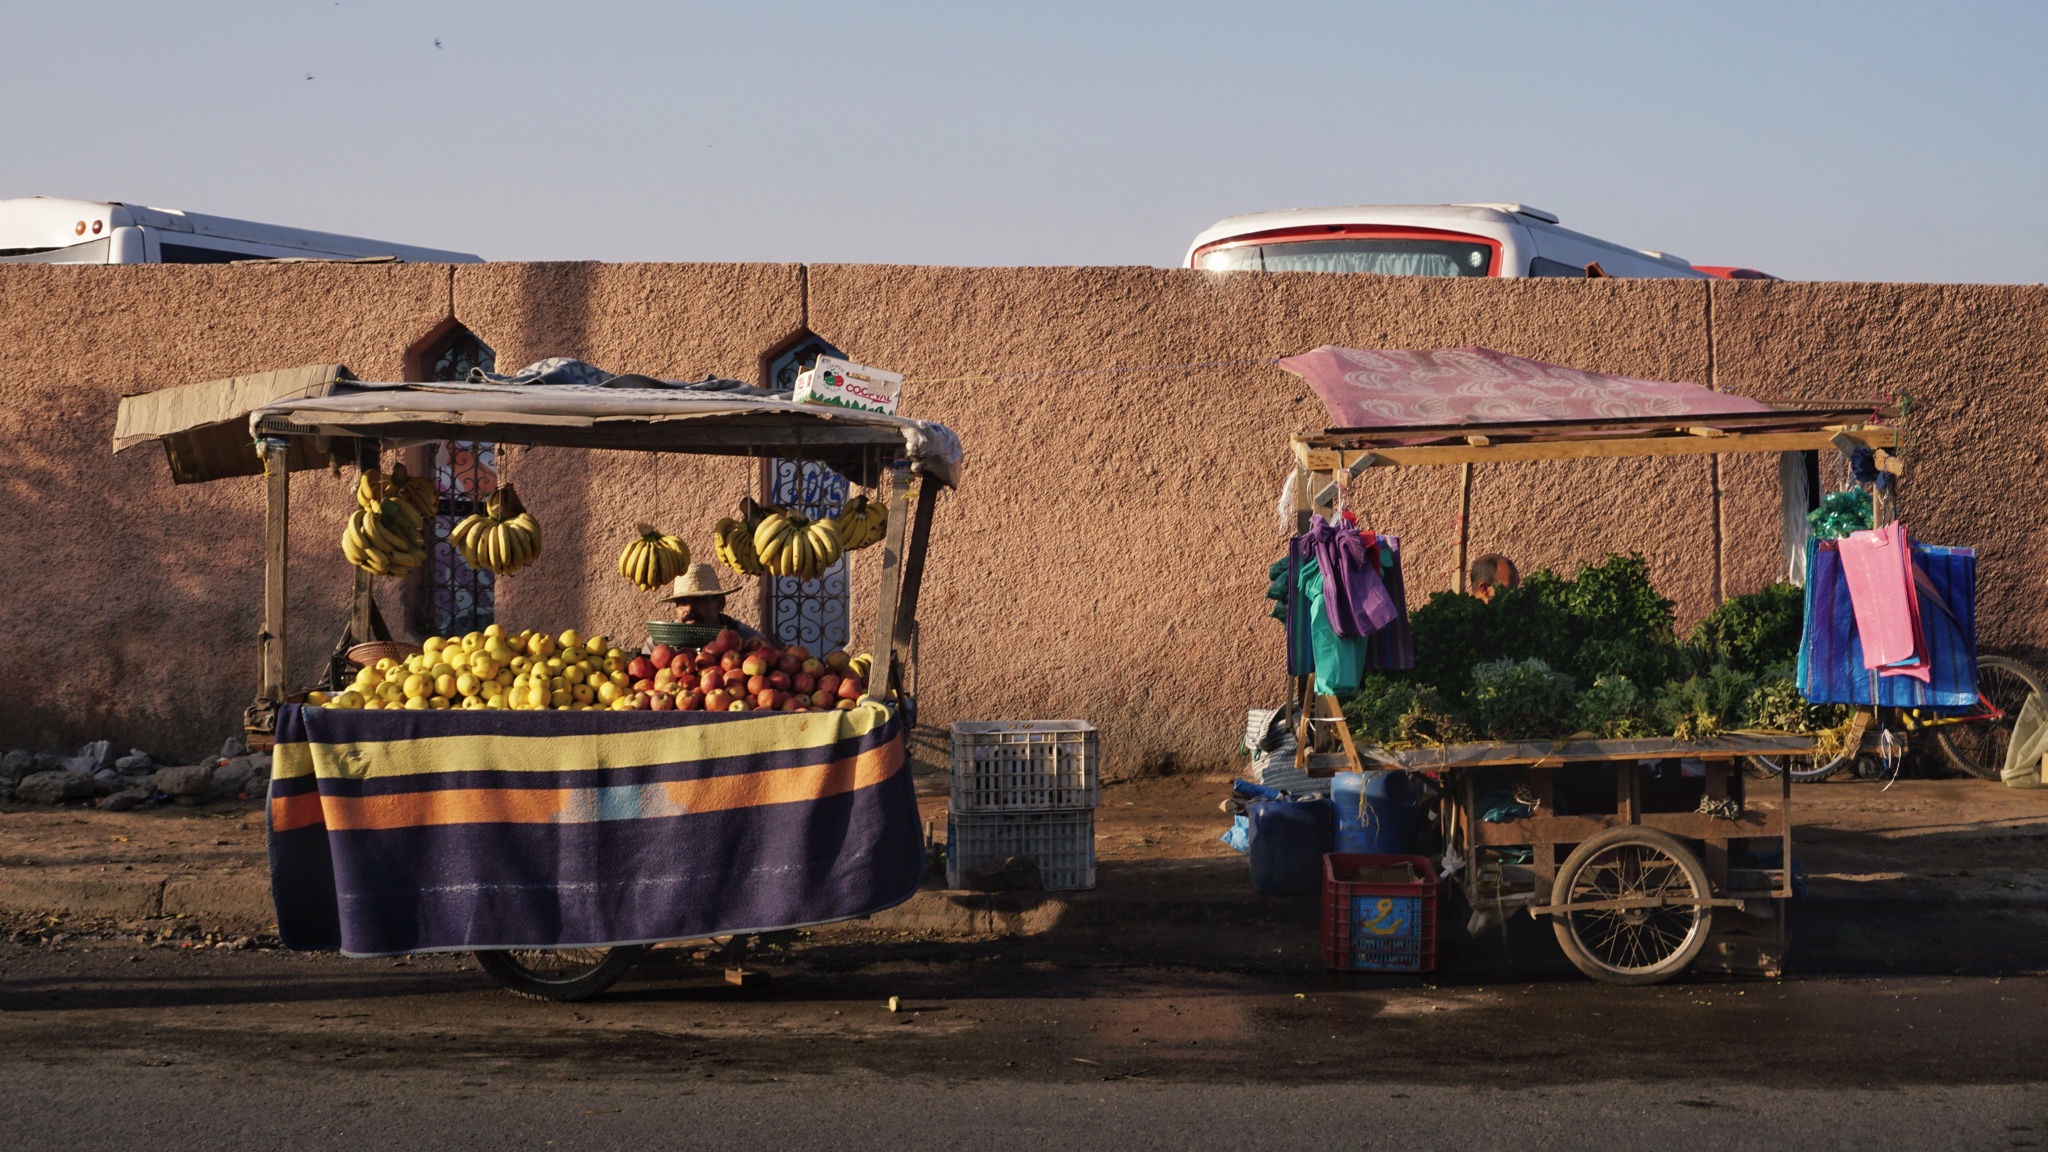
(1062, 844)
(1025, 765)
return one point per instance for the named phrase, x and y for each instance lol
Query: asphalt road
(113, 1044)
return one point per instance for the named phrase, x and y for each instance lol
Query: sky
(1850, 141)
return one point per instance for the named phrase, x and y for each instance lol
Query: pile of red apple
(735, 674)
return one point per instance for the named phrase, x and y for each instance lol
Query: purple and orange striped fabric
(394, 832)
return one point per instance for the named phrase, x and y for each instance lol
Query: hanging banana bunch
(386, 538)
(790, 545)
(375, 488)
(654, 558)
(733, 540)
(502, 538)
(861, 523)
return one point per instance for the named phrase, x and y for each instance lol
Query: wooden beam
(277, 480)
(1458, 552)
(892, 578)
(1546, 752)
(1754, 822)
(1605, 447)
(913, 561)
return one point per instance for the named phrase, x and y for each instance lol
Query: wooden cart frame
(875, 450)
(1583, 867)
(861, 449)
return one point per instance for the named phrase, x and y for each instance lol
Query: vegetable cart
(558, 844)
(1648, 856)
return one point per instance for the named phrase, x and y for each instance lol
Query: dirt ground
(1853, 831)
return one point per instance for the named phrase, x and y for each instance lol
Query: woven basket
(364, 655)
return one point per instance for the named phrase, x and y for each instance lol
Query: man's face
(700, 608)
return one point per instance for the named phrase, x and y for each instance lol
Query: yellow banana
(767, 532)
(379, 534)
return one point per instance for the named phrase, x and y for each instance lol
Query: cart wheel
(1979, 747)
(1804, 769)
(1632, 945)
(561, 974)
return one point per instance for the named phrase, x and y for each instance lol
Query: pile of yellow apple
(533, 670)
(494, 669)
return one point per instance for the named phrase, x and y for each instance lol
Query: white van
(1430, 240)
(46, 230)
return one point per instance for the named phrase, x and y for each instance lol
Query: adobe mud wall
(1106, 553)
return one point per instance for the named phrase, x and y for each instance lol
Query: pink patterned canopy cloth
(1389, 388)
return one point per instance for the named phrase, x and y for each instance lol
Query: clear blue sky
(1872, 141)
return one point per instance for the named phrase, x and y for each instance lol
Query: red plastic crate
(1372, 927)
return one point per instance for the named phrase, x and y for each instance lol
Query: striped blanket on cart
(395, 832)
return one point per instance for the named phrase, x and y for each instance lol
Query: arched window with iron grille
(451, 598)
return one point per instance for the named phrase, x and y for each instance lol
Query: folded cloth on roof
(564, 370)
(1390, 388)
(395, 832)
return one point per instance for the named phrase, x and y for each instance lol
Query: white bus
(47, 230)
(1430, 240)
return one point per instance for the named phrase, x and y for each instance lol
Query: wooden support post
(1464, 527)
(879, 676)
(913, 559)
(1543, 783)
(913, 580)
(1716, 856)
(359, 609)
(1628, 791)
(1785, 861)
(1468, 804)
(1303, 508)
(276, 551)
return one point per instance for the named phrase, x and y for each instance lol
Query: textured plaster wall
(133, 604)
(1105, 556)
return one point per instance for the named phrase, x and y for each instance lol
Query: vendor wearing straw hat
(700, 599)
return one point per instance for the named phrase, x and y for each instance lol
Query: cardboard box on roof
(850, 385)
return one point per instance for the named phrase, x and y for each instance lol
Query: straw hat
(699, 580)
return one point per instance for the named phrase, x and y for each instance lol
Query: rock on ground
(187, 780)
(231, 778)
(135, 761)
(54, 787)
(15, 765)
(124, 800)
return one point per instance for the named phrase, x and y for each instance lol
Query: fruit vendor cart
(1648, 856)
(557, 843)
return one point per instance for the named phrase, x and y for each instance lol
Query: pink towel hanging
(1878, 567)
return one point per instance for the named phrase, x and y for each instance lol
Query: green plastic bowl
(680, 635)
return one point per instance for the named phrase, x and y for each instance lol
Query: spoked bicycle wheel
(1646, 921)
(1804, 768)
(559, 974)
(1978, 746)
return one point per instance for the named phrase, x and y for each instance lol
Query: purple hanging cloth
(1353, 593)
